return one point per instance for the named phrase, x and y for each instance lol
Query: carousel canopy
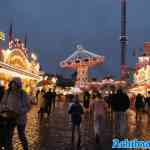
(82, 57)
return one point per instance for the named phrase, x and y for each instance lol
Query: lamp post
(123, 39)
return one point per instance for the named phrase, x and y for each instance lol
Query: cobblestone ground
(55, 133)
(140, 128)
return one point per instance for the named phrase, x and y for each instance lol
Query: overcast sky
(55, 27)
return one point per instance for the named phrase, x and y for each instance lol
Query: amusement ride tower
(123, 39)
(81, 60)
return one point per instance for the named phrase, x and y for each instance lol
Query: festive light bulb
(33, 56)
(54, 80)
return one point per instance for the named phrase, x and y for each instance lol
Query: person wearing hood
(17, 102)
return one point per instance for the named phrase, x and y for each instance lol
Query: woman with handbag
(15, 104)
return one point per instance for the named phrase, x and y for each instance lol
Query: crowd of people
(97, 108)
(94, 107)
(141, 104)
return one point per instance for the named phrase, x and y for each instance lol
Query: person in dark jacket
(109, 100)
(147, 103)
(37, 95)
(86, 104)
(48, 102)
(139, 105)
(120, 103)
(2, 91)
(86, 100)
(76, 112)
(54, 99)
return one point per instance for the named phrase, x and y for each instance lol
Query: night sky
(54, 28)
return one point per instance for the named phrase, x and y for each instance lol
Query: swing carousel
(81, 60)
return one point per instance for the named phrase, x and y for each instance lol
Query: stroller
(6, 125)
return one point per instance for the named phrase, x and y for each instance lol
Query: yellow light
(1, 82)
(33, 56)
(6, 53)
(46, 77)
(2, 36)
(54, 80)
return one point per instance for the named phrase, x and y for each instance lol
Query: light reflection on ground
(56, 133)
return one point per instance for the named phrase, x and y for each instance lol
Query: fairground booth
(16, 61)
(142, 73)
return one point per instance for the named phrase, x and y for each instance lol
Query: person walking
(17, 104)
(2, 91)
(37, 95)
(98, 108)
(41, 104)
(139, 105)
(108, 101)
(147, 103)
(86, 104)
(48, 101)
(132, 101)
(54, 99)
(70, 103)
(76, 112)
(120, 103)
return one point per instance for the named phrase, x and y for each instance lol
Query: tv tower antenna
(123, 39)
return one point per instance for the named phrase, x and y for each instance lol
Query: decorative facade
(17, 62)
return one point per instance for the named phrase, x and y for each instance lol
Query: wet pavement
(140, 128)
(55, 133)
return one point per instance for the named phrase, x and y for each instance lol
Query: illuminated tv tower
(123, 39)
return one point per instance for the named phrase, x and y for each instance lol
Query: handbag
(8, 114)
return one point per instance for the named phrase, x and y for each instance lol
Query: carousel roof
(82, 57)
